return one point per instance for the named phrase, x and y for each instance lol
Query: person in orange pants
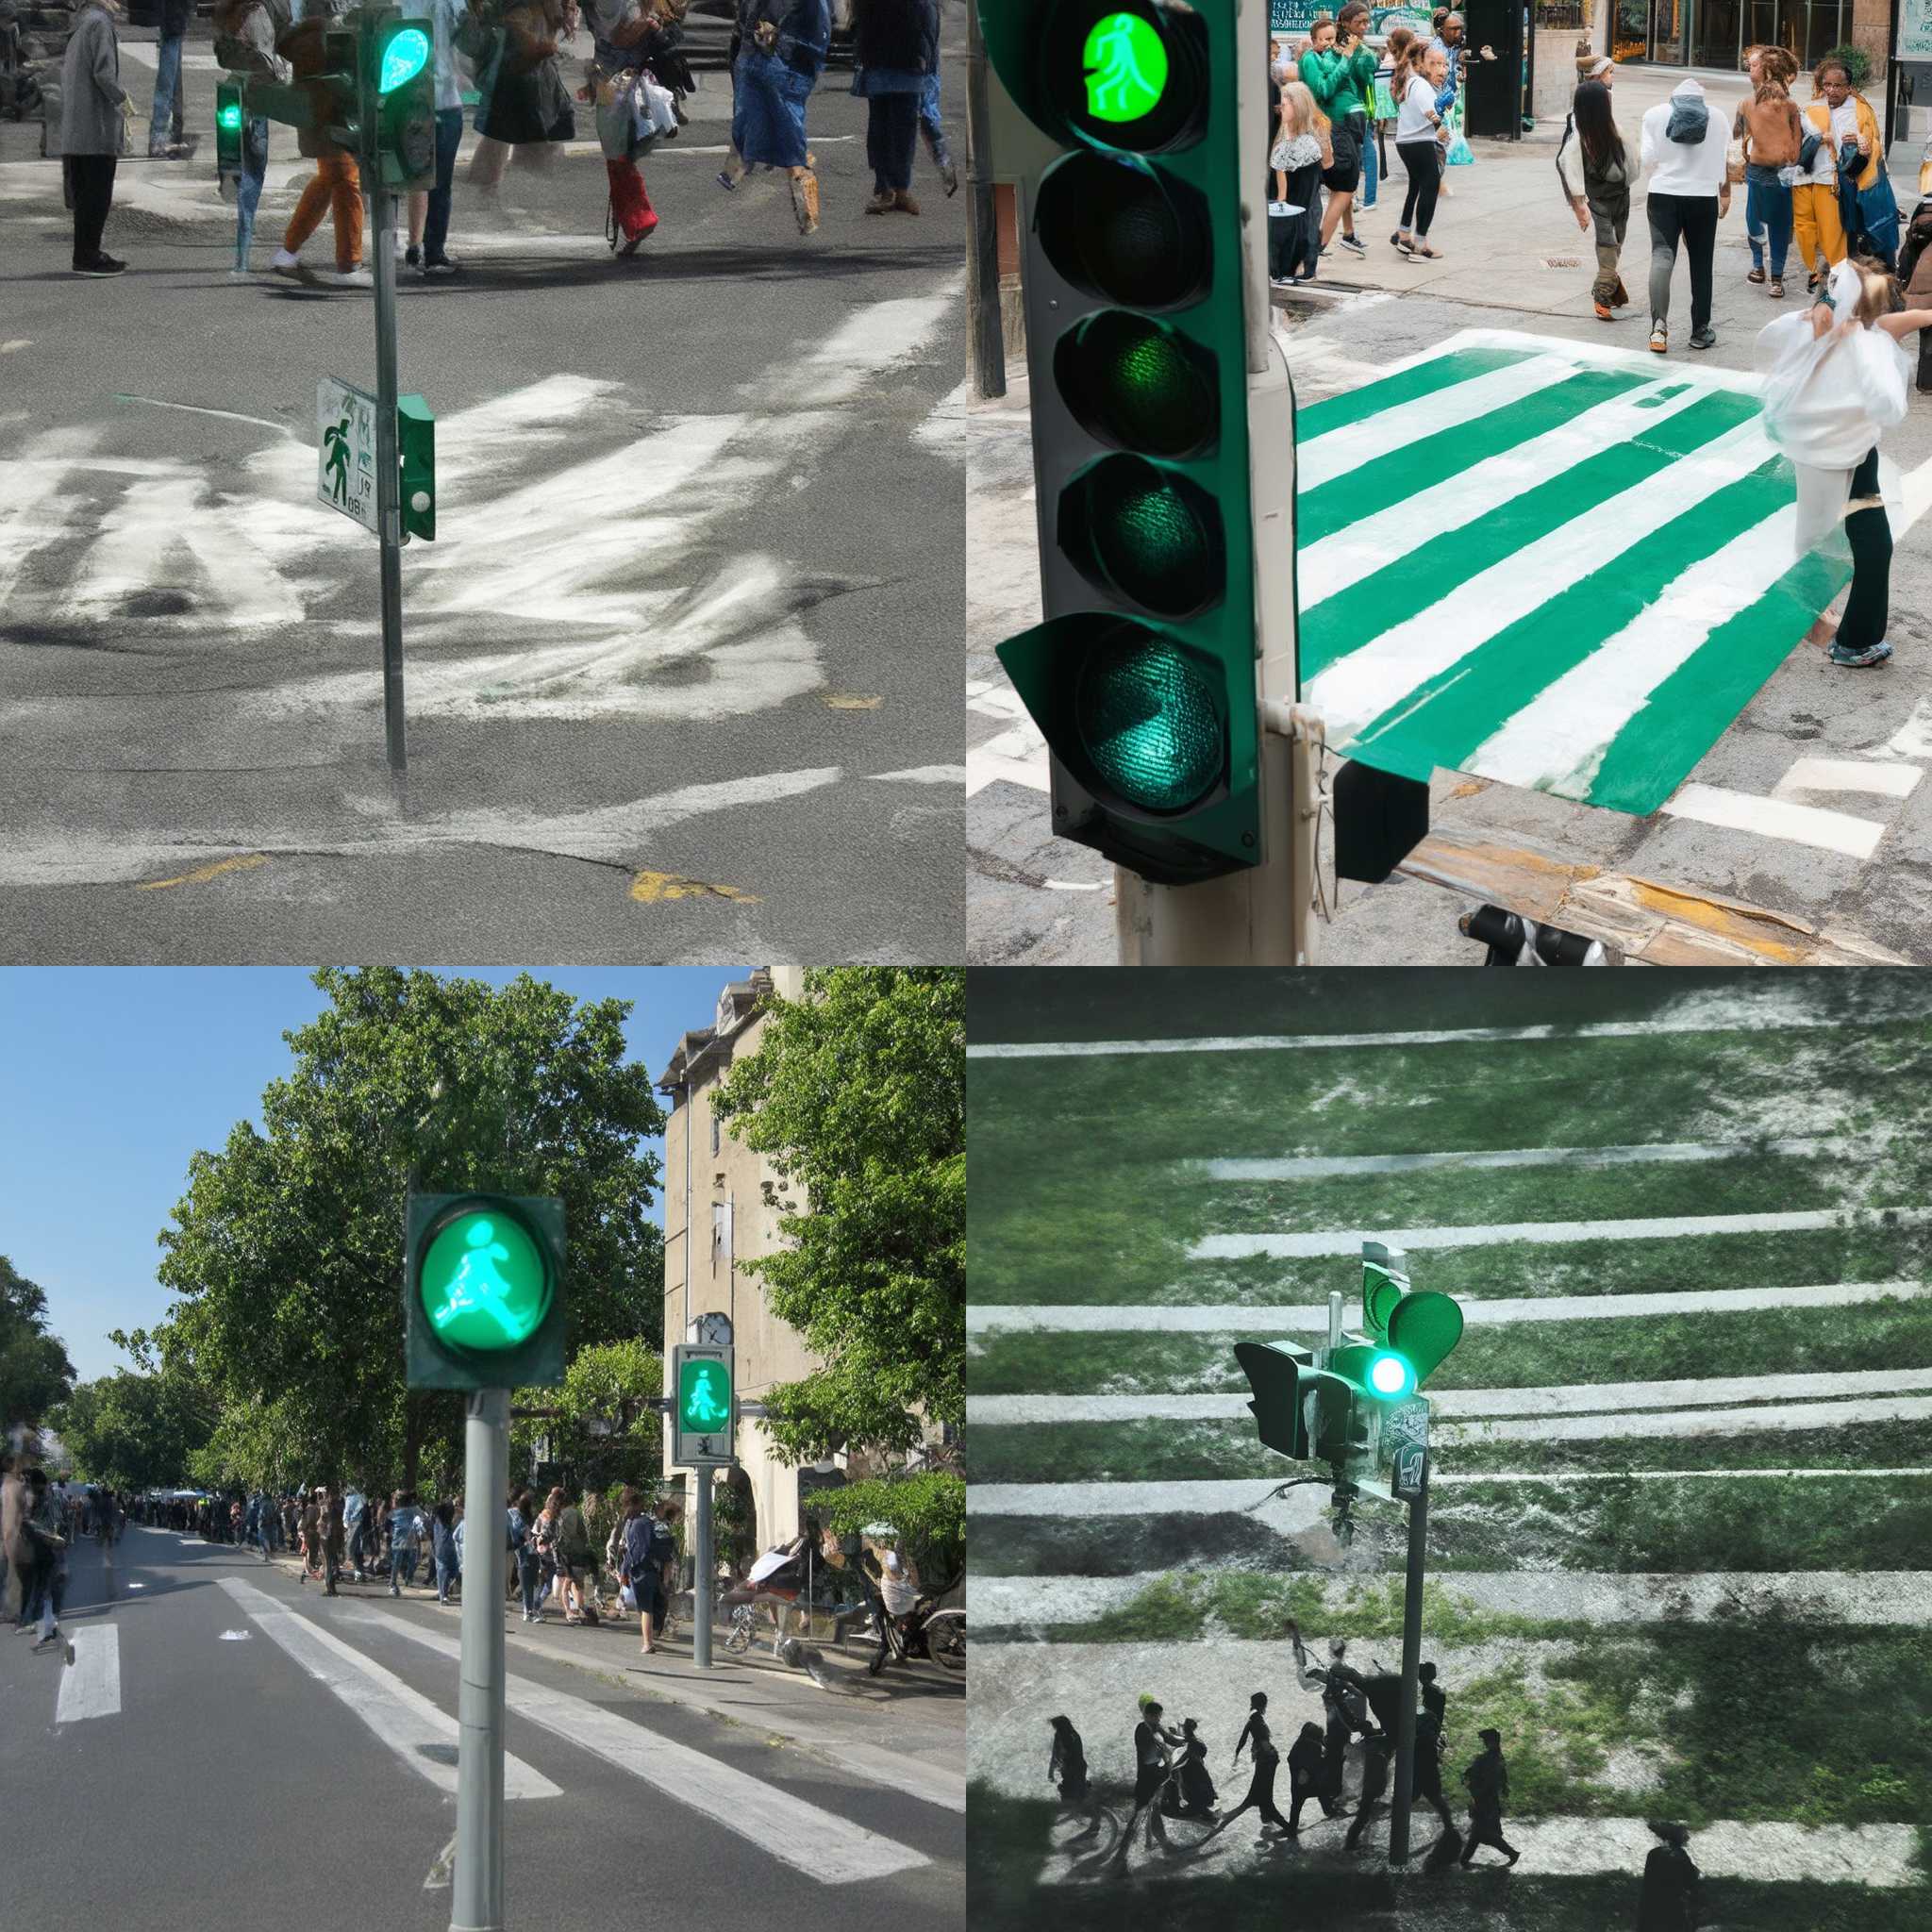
(335, 187)
(1816, 227)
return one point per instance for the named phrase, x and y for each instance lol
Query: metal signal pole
(477, 1897)
(389, 484)
(1411, 1665)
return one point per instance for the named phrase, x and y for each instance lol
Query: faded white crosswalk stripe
(405, 1720)
(91, 1684)
(811, 1839)
(1316, 1167)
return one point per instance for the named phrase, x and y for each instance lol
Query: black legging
(1425, 183)
(91, 179)
(1261, 1797)
(1869, 533)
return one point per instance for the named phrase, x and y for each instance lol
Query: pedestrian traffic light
(228, 119)
(1300, 1410)
(1143, 322)
(337, 90)
(704, 1415)
(416, 438)
(483, 1290)
(399, 101)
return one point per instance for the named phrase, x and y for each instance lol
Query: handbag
(1878, 218)
(554, 105)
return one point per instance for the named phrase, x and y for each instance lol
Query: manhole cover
(1562, 261)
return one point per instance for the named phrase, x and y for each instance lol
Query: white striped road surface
(1304, 1505)
(1234, 1318)
(1877, 1854)
(1570, 1399)
(812, 1841)
(405, 1720)
(1571, 1596)
(91, 1684)
(1227, 1247)
(1824, 776)
(1317, 1167)
(1778, 818)
(1698, 1018)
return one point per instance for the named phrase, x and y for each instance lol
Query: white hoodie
(1683, 167)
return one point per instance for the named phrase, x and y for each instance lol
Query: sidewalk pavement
(905, 1728)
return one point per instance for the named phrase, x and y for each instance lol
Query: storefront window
(1718, 36)
(1714, 33)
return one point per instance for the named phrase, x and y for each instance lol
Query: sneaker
(1660, 336)
(402, 246)
(1704, 337)
(1352, 243)
(1402, 243)
(1858, 661)
(441, 265)
(1603, 314)
(949, 177)
(412, 256)
(101, 265)
(241, 274)
(352, 279)
(393, 1590)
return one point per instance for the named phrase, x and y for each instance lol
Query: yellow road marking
(203, 872)
(653, 887)
(849, 701)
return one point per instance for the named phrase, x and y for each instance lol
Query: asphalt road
(226, 1780)
(679, 663)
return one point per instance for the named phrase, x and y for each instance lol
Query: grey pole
(983, 254)
(1411, 1662)
(702, 1574)
(389, 484)
(476, 1896)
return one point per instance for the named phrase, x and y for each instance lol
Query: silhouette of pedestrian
(1377, 1752)
(1344, 1706)
(1428, 1748)
(1305, 1777)
(1151, 1740)
(1488, 1778)
(1189, 1791)
(1267, 1759)
(1067, 1766)
(1671, 1884)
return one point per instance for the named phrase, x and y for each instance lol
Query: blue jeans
(530, 1574)
(167, 95)
(446, 1575)
(1767, 217)
(930, 124)
(449, 136)
(1368, 199)
(402, 1568)
(247, 199)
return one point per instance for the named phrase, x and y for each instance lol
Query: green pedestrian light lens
(1124, 61)
(1389, 1375)
(703, 1398)
(1147, 721)
(1133, 383)
(403, 58)
(484, 1283)
(229, 116)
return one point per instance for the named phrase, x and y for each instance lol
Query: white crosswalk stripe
(405, 1720)
(91, 1684)
(811, 1839)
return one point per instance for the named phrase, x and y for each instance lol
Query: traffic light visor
(485, 1284)
(1134, 383)
(403, 59)
(1148, 720)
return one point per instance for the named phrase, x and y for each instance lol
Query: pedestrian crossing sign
(345, 451)
(1558, 565)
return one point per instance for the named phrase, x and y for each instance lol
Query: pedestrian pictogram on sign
(345, 451)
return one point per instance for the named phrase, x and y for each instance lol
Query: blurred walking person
(778, 66)
(335, 188)
(1671, 1882)
(94, 130)
(1488, 1778)
(896, 48)
(429, 208)
(624, 32)
(1261, 1795)
(1601, 192)
(1689, 192)
(245, 44)
(164, 139)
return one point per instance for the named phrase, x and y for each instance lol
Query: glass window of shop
(1714, 33)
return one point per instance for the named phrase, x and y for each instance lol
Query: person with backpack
(1685, 147)
(1601, 192)
(529, 1564)
(336, 188)
(93, 128)
(639, 1564)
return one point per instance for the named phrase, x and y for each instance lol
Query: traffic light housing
(416, 440)
(483, 1300)
(229, 118)
(398, 72)
(1300, 1410)
(336, 92)
(1143, 318)
(704, 1405)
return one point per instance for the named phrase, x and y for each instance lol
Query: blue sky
(111, 1076)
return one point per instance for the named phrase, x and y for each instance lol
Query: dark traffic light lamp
(1143, 678)
(483, 1290)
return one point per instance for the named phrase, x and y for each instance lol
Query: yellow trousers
(1816, 225)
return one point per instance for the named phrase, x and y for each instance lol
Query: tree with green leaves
(134, 1431)
(597, 1423)
(35, 1374)
(857, 1093)
(287, 1249)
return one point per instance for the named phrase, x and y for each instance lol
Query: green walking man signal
(483, 1290)
(703, 1387)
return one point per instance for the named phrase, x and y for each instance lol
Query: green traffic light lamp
(484, 1283)
(483, 1290)
(403, 59)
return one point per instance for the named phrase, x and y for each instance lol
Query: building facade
(721, 1210)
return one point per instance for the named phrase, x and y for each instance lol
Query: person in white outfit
(1685, 147)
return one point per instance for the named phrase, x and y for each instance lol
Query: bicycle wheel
(738, 1638)
(945, 1644)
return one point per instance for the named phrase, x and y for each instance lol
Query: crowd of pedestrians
(41, 1518)
(1333, 102)
(635, 86)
